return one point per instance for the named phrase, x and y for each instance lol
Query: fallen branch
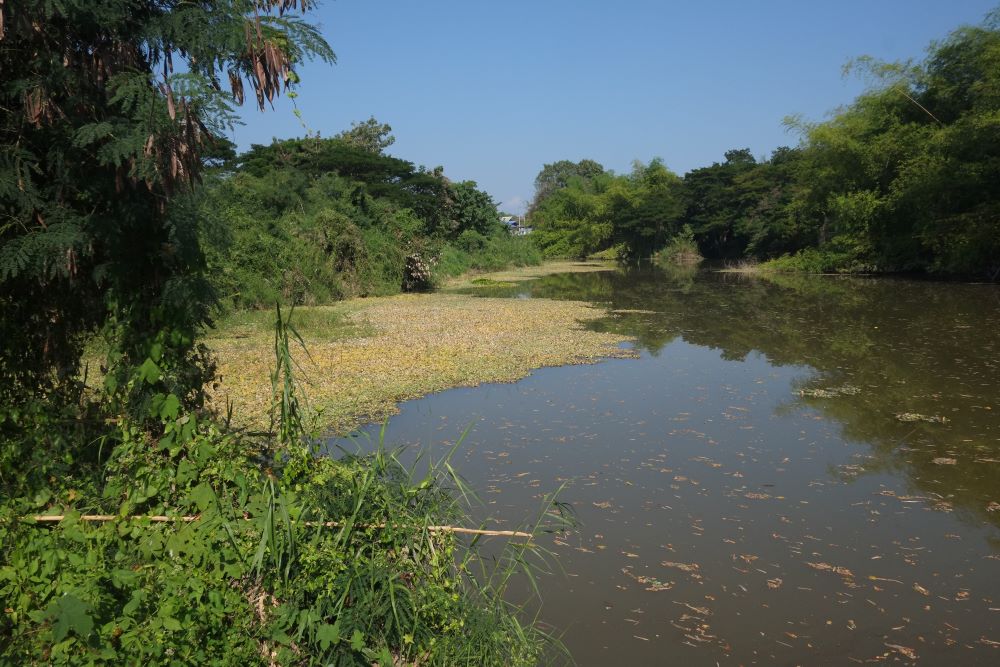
(99, 518)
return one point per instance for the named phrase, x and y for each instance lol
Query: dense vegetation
(109, 114)
(903, 179)
(307, 221)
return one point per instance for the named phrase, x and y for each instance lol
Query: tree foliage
(586, 214)
(902, 179)
(313, 220)
(557, 175)
(106, 109)
(370, 135)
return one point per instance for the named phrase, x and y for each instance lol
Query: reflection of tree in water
(924, 348)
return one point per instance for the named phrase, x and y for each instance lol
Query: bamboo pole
(100, 518)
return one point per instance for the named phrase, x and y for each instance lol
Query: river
(796, 470)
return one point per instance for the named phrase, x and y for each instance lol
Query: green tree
(645, 208)
(105, 111)
(370, 135)
(574, 220)
(558, 175)
(715, 203)
(904, 178)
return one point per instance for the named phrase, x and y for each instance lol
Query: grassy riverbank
(366, 355)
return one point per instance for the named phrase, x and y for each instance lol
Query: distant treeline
(906, 178)
(314, 220)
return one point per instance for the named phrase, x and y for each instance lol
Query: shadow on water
(798, 469)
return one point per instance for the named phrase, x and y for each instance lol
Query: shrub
(292, 558)
(682, 249)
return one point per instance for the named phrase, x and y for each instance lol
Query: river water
(796, 471)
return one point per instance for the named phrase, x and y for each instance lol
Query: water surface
(797, 470)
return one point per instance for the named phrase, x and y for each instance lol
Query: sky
(493, 90)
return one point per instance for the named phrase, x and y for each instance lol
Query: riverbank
(367, 355)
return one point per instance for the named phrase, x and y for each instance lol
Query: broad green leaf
(328, 634)
(186, 471)
(71, 613)
(170, 407)
(149, 372)
(202, 496)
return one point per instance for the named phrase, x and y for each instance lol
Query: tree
(573, 221)
(370, 135)
(714, 203)
(647, 209)
(106, 109)
(905, 177)
(557, 175)
(472, 209)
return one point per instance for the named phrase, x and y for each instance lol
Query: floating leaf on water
(836, 569)
(683, 567)
(904, 650)
(651, 583)
(831, 392)
(915, 417)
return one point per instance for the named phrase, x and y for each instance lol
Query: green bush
(497, 251)
(835, 259)
(293, 558)
(682, 249)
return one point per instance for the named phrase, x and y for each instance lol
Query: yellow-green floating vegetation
(383, 350)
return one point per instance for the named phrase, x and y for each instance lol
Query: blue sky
(494, 90)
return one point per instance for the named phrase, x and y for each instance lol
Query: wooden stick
(56, 518)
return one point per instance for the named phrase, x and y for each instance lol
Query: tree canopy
(902, 179)
(370, 135)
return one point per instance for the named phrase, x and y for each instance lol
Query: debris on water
(944, 461)
(920, 589)
(903, 650)
(651, 583)
(836, 569)
(683, 567)
(830, 392)
(910, 417)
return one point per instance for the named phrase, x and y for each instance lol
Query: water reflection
(797, 471)
(907, 349)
